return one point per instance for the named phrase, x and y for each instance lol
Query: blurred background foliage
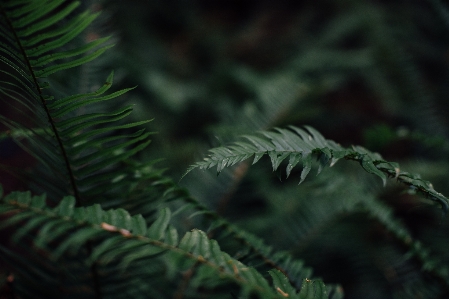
(356, 70)
(370, 73)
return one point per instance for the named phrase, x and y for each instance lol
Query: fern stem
(186, 277)
(94, 270)
(95, 276)
(47, 111)
(180, 194)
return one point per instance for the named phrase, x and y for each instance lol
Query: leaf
(313, 290)
(282, 285)
(317, 137)
(369, 166)
(277, 158)
(158, 228)
(298, 145)
(293, 161)
(257, 157)
(307, 166)
(65, 207)
(39, 39)
(323, 160)
(112, 244)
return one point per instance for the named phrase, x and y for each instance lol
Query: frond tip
(300, 146)
(296, 144)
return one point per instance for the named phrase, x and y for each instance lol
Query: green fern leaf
(261, 253)
(72, 144)
(114, 233)
(301, 146)
(282, 285)
(278, 145)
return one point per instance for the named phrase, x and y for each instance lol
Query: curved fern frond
(416, 249)
(252, 249)
(125, 242)
(300, 145)
(317, 211)
(73, 143)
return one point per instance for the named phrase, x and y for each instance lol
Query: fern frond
(75, 145)
(252, 249)
(430, 263)
(299, 145)
(318, 211)
(126, 242)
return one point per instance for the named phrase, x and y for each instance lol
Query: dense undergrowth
(89, 210)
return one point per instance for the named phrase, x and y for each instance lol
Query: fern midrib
(235, 277)
(65, 156)
(349, 155)
(47, 111)
(233, 230)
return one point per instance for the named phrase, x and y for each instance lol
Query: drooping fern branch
(319, 211)
(302, 146)
(299, 145)
(251, 249)
(125, 242)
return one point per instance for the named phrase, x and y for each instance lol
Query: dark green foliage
(101, 219)
(72, 145)
(127, 241)
(299, 146)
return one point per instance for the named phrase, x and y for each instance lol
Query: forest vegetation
(224, 149)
